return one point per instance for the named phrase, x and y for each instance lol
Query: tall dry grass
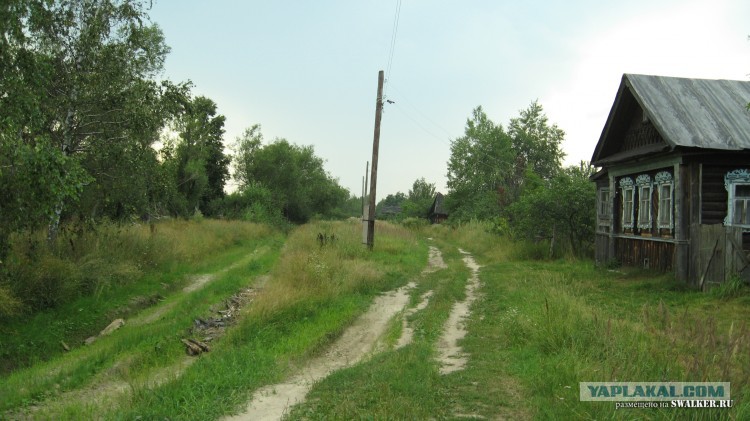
(311, 271)
(91, 260)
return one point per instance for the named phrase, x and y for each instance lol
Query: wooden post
(374, 168)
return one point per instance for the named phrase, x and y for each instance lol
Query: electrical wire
(394, 34)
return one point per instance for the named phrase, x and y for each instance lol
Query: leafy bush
(414, 223)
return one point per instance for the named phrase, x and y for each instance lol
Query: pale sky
(307, 71)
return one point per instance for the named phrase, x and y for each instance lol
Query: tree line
(513, 180)
(88, 132)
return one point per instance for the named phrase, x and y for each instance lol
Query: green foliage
(350, 208)
(414, 223)
(202, 168)
(536, 143)
(79, 111)
(299, 185)
(391, 207)
(488, 166)
(479, 169)
(253, 203)
(34, 179)
(419, 200)
(561, 209)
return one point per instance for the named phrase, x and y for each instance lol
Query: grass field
(537, 329)
(540, 328)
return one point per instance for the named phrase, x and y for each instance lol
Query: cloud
(696, 40)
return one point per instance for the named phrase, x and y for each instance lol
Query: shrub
(414, 223)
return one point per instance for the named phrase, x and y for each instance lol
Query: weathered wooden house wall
(652, 146)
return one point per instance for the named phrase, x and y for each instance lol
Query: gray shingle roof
(688, 113)
(699, 113)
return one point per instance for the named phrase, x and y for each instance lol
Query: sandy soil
(450, 355)
(356, 343)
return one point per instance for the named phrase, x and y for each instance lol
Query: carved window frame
(662, 180)
(627, 186)
(645, 190)
(733, 179)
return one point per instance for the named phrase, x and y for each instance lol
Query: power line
(394, 34)
(402, 97)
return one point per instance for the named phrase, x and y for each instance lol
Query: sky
(307, 71)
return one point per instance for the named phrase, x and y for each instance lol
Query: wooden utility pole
(374, 168)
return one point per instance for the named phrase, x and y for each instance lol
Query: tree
(487, 167)
(420, 199)
(202, 168)
(560, 209)
(293, 174)
(76, 95)
(479, 168)
(536, 143)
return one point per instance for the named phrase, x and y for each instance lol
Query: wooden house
(673, 192)
(438, 214)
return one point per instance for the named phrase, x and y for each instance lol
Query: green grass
(134, 351)
(312, 294)
(537, 330)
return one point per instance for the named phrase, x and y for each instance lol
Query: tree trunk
(552, 241)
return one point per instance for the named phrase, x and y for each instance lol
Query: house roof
(690, 113)
(438, 207)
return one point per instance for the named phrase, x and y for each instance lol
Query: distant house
(388, 212)
(673, 192)
(438, 214)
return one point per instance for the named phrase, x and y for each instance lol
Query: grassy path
(533, 331)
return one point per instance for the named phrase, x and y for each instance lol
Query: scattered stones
(209, 328)
(116, 324)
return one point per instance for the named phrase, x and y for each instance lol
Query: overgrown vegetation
(537, 330)
(73, 290)
(306, 300)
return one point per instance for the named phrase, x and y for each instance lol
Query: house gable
(684, 113)
(629, 131)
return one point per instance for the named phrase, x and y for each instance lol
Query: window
(604, 205)
(644, 201)
(737, 183)
(604, 211)
(741, 199)
(628, 193)
(665, 189)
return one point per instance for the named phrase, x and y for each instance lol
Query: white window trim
(626, 184)
(663, 178)
(732, 179)
(643, 181)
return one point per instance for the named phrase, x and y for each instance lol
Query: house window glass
(665, 189)
(741, 201)
(644, 201)
(604, 209)
(627, 201)
(644, 207)
(628, 196)
(665, 205)
(737, 183)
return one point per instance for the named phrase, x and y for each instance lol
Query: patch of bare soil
(359, 340)
(435, 261)
(450, 355)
